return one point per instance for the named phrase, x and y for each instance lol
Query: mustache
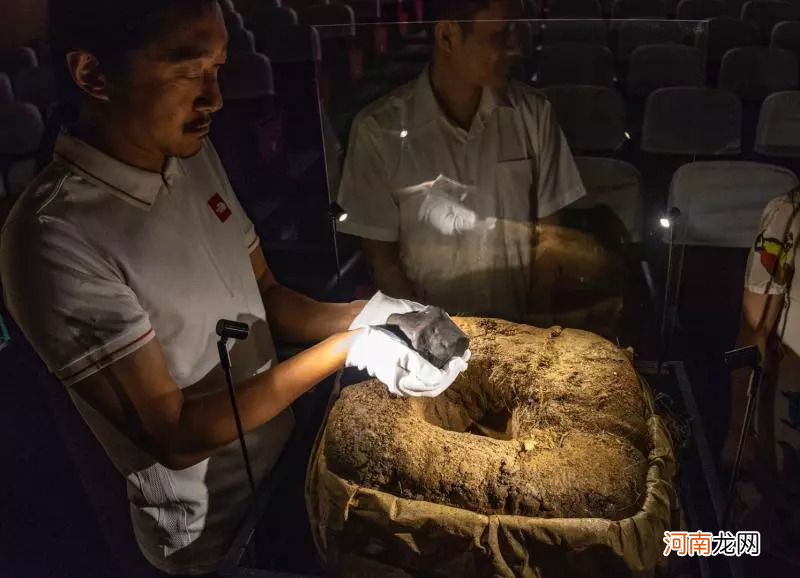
(198, 122)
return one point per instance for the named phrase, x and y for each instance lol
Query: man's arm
(295, 318)
(383, 260)
(138, 395)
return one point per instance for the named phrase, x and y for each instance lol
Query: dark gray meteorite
(431, 333)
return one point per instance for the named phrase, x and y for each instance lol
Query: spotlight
(338, 213)
(403, 133)
(670, 217)
(627, 135)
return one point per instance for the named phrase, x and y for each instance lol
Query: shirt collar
(426, 109)
(132, 184)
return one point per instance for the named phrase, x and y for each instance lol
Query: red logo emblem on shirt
(219, 207)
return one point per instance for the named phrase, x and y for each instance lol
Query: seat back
(21, 129)
(778, 132)
(22, 57)
(635, 33)
(6, 92)
(754, 72)
(786, 35)
(622, 9)
(241, 40)
(705, 9)
(591, 31)
(575, 9)
(768, 13)
(662, 66)
(35, 85)
(693, 121)
(592, 117)
(719, 35)
(617, 185)
(575, 63)
(721, 202)
(233, 20)
(246, 75)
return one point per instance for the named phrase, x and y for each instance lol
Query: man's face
(170, 89)
(484, 54)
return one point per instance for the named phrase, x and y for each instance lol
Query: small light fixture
(627, 135)
(403, 133)
(670, 217)
(338, 213)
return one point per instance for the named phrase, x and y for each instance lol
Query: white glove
(380, 307)
(403, 370)
(450, 217)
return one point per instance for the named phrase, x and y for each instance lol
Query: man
(770, 486)
(444, 176)
(121, 257)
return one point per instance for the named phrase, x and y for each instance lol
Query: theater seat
(777, 137)
(654, 67)
(705, 9)
(721, 202)
(624, 9)
(682, 124)
(248, 132)
(767, 13)
(6, 92)
(617, 185)
(691, 120)
(35, 85)
(718, 35)
(592, 117)
(575, 9)
(636, 33)
(754, 72)
(575, 63)
(786, 35)
(591, 31)
(21, 133)
(22, 57)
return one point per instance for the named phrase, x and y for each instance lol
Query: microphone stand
(239, 331)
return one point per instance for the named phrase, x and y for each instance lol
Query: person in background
(769, 493)
(445, 177)
(122, 255)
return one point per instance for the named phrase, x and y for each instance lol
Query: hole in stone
(498, 425)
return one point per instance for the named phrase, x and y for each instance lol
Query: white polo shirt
(513, 154)
(98, 258)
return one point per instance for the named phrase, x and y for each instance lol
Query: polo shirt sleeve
(558, 180)
(247, 227)
(770, 265)
(365, 191)
(70, 302)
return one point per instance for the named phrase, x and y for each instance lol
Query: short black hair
(460, 10)
(109, 29)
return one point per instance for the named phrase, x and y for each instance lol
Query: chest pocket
(514, 185)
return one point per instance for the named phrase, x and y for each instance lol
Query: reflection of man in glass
(444, 176)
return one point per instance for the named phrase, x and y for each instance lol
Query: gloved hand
(400, 368)
(380, 307)
(450, 217)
